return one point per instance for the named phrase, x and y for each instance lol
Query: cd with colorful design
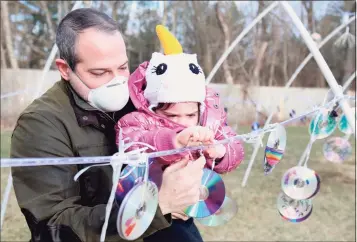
(293, 210)
(300, 183)
(343, 125)
(337, 149)
(326, 124)
(137, 175)
(137, 210)
(225, 213)
(126, 184)
(274, 149)
(212, 193)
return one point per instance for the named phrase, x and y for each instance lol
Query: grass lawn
(332, 219)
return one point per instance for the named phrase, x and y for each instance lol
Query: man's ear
(63, 68)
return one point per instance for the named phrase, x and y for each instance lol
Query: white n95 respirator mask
(112, 96)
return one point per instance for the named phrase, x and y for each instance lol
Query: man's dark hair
(76, 22)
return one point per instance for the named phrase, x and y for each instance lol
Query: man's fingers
(178, 165)
(200, 162)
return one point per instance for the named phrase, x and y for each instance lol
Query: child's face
(182, 113)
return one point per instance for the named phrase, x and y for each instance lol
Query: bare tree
(275, 49)
(65, 7)
(260, 47)
(226, 33)
(59, 12)
(51, 30)
(8, 35)
(3, 58)
(308, 5)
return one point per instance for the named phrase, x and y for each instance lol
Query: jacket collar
(85, 113)
(79, 101)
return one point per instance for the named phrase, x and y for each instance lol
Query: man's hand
(180, 185)
(193, 136)
(181, 216)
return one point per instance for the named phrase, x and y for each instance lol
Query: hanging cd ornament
(255, 126)
(274, 149)
(325, 126)
(225, 213)
(300, 183)
(337, 149)
(212, 194)
(292, 210)
(137, 175)
(343, 125)
(137, 210)
(126, 184)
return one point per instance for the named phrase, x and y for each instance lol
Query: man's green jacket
(57, 208)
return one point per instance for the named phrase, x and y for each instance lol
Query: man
(76, 117)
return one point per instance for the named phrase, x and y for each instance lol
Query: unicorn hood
(174, 76)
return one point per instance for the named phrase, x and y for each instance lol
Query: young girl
(175, 108)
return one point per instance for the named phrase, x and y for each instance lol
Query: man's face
(101, 56)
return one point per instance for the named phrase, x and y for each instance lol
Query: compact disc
(326, 124)
(124, 185)
(137, 210)
(343, 125)
(255, 126)
(293, 210)
(137, 175)
(337, 149)
(225, 213)
(212, 193)
(300, 183)
(274, 149)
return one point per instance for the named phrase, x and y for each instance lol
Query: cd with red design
(137, 175)
(137, 210)
(293, 210)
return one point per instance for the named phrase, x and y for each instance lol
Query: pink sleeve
(137, 128)
(234, 150)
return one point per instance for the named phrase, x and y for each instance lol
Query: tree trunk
(276, 44)
(308, 5)
(59, 12)
(226, 34)
(51, 30)
(8, 35)
(259, 63)
(285, 59)
(208, 58)
(348, 66)
(174, 4)
(164, 19)
(3, 59)
(65, 8)
(115, 10)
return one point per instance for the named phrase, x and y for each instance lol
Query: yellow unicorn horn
(168, 41)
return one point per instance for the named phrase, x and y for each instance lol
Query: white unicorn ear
(156, 55)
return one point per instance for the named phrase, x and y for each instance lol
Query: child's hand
(217, 151)
(194, 136)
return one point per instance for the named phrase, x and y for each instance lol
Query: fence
(18, 86)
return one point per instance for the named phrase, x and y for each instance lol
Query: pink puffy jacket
(145, 126)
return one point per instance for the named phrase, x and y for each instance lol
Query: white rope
(6, 198)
